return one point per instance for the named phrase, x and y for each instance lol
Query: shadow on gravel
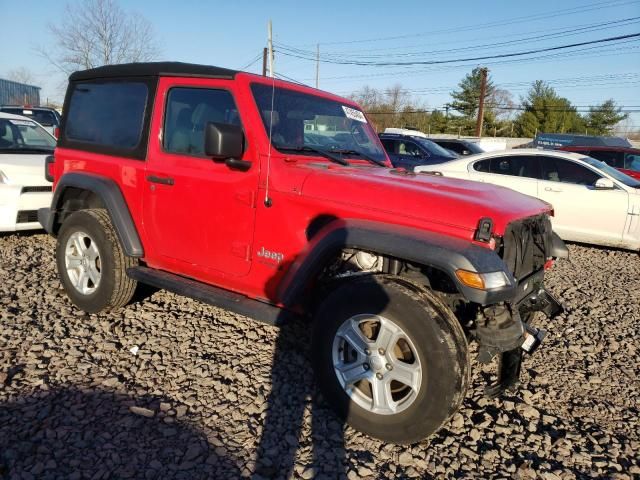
(82, 433)
(292, 392)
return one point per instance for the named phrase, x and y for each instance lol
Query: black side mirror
(223, 140)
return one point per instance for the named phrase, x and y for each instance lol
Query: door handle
(549, 189)
(162, 180)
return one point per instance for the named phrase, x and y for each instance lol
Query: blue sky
(232, 34)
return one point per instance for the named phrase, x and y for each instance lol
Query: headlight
(3, 178)
(482, 281)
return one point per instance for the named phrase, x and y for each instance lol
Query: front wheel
(390, 358)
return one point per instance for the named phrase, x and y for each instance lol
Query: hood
(424, 198)
(24, 169)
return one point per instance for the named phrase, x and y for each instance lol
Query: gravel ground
(170, 388)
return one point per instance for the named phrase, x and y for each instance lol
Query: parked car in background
(625, 159)
(411, 148)
(592, 201)
(49, 118)
(24, 147)
(460, 146)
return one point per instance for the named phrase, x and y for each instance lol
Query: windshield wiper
(380, 163)
(319, 151)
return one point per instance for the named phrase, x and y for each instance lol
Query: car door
(198, 213)
(518, 172)
(582, 212)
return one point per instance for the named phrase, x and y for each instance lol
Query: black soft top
(154, 69)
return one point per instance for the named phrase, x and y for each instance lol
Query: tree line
(542, 109)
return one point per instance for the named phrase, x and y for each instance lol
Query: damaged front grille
(526, 245)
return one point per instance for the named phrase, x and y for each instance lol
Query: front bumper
(18, 209)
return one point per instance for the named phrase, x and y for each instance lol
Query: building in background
(15, 93)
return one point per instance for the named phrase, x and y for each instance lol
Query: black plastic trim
(211, 295)
(426, 248)
(558, 247)
(162, 69)
(113, 200)
(49, 159)
(46, 219)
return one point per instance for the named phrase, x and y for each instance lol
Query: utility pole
(264, 61)
(270, 44)
(483, 88)
(318, 65)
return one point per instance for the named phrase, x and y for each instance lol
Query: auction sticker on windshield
(354, 114)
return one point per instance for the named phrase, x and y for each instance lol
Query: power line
(575, 109)
(469, 59)
(570, 82)
(580, 53)
(511, 21)
(564, 33)
(253, 61)
(472, 41)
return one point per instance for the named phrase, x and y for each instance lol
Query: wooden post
(483, 88)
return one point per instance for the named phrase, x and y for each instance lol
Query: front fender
(426, 248)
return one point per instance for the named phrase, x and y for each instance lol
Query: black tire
(115, 288)
(436, 334)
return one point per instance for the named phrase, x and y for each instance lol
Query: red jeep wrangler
(274, 200)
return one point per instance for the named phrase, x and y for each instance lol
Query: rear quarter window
(107, 116)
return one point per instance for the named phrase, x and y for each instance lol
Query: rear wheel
(91, 263)
(390, 358)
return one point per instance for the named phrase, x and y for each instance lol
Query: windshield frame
(612, 172)
(375, 150)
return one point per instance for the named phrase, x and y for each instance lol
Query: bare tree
(501, 103)
(21, 75)
(100, 32)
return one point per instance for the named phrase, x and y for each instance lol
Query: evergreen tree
(467, 98)
(603, 118)
(546, 111)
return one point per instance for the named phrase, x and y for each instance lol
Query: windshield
(612, 172)
(305, 123)
(434, 149)
(24, 135)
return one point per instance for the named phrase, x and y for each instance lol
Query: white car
(24, 146)
(593, 202)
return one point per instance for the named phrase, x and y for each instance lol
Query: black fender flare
(110, 195)
(426, 248)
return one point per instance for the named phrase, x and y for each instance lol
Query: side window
(632, 161)
(409, 149)
(389, 145)
(614, 159)
(482, 166)
(187, 113)
(565, 171)
(107, 114)
(516, 166)
(44, 118)
(7, 134)
(453, 146)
